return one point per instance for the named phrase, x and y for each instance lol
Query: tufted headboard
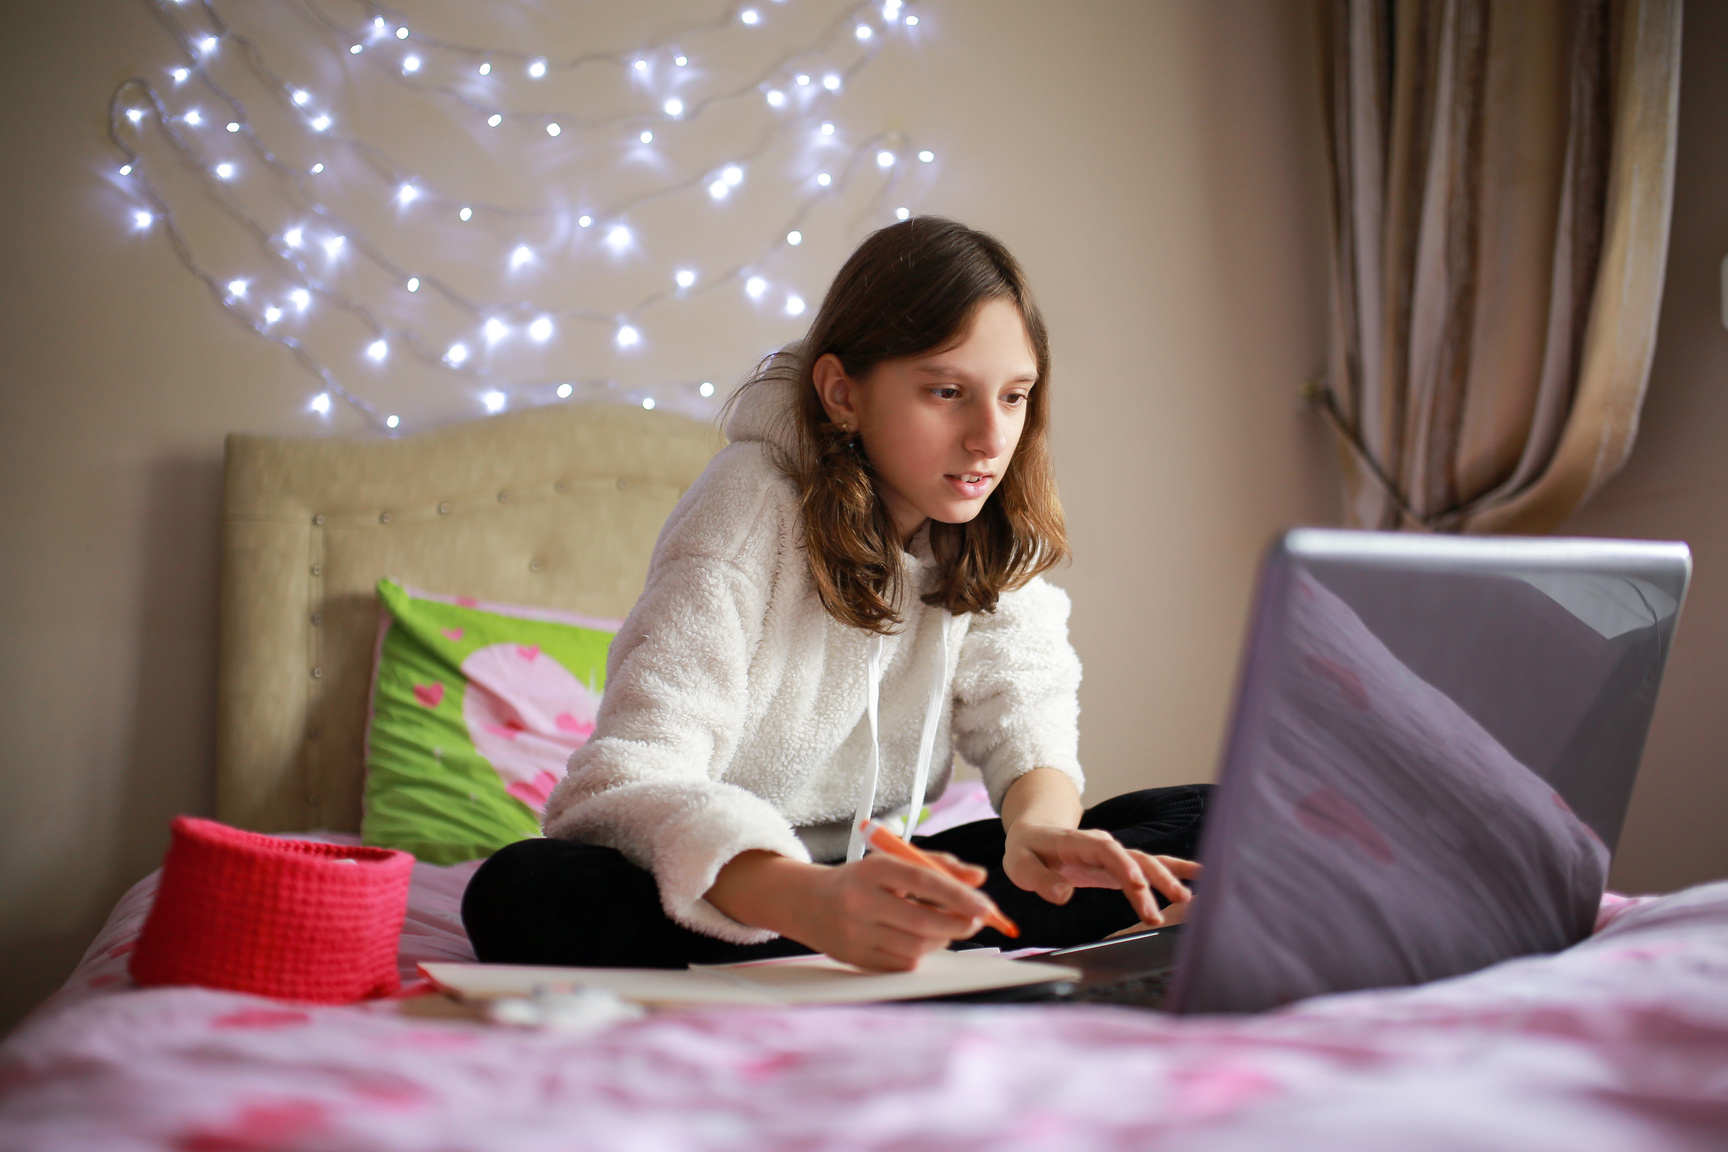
(556, 506)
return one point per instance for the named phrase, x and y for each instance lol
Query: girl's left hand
(1053, 861)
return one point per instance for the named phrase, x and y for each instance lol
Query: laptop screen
(1430, 761)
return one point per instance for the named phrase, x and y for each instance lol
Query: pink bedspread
(1618, 1043)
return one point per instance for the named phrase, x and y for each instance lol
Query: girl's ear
(836, 390)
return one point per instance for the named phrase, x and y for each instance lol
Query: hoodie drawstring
(926, 746)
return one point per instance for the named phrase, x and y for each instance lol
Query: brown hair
(910, 289)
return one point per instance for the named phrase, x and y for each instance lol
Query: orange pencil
(883, 840)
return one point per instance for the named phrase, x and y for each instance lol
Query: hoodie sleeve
(1017, 690)
(647, 781)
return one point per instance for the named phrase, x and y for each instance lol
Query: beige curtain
(1502, 175)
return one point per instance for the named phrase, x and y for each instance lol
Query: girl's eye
(945, 393)
(1014, 399)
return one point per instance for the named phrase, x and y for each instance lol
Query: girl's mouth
(971, 484)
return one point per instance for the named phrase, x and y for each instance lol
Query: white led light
(486, 69)
(750, 16)
(863, 32)
(884, 159)
(194, 117)
(926, 156)
(794, 305)
(755, 286)
(902, 213)
(801, 79)
(494, 400)
(300, 299)
(179, 75)
(378, 24)
(392, 420)
(237, 288)
(706, 388)
(320, 123)
(831, 82)
(824, 179)
(134, 114)
(142, 219)
(674, 107)
(411, 64)
(356, 49)
(224, 171)
(541, 329)
(564, 391)
(233, 126)
(272, 314)
(552, 129)
(495, 330)
(456, 355)
(827, 128)
(628, 337)
(377, 350)
(618, 237)
(537, 69)
(794, 238)
(891, 11)
(646, 137)
(494, 120)
(718, 189)
(207, 45)
(407, 194)
(776, 98)
(680, 60)
(521, 255)
(911, 21)
(732, 174)
(641, 65)
(301, 96)
(125, 169)
(334, 245)
(317, 168)
(466, 214)
(413, 284)
(321, 404)
(402, 33)
(648, 403)
(584, 221)
(684, 277)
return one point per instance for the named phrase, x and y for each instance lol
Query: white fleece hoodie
(734, 711)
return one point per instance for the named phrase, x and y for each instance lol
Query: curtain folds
(1502, 174)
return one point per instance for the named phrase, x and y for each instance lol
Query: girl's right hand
(877, 912)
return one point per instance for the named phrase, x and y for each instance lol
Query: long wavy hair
(909, 290)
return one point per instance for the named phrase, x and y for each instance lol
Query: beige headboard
(556, 506)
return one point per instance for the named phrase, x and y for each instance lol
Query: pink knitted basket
(293, 919)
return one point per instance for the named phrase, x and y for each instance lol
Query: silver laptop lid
(1430, 759)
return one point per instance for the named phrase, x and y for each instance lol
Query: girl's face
(940, 429)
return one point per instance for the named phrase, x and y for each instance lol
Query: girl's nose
(988, 434)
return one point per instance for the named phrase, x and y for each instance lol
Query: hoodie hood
(766, 409)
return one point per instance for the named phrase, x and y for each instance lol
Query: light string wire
(123, 110)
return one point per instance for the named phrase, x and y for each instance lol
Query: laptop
(1427, 768)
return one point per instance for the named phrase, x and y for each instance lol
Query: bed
(1620, 1042)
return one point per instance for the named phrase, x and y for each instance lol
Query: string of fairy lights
(308, 251)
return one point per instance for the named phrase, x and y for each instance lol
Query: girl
(851, 589)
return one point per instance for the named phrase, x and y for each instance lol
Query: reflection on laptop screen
(1430, 762)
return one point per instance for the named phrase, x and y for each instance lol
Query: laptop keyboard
(1142, 991)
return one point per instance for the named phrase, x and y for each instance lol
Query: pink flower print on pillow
(526, 714)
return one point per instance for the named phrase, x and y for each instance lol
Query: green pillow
(475, 709)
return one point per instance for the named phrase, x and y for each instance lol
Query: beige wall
(1155, 166)
(1676, 487)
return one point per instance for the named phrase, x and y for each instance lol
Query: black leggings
(560, 902)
